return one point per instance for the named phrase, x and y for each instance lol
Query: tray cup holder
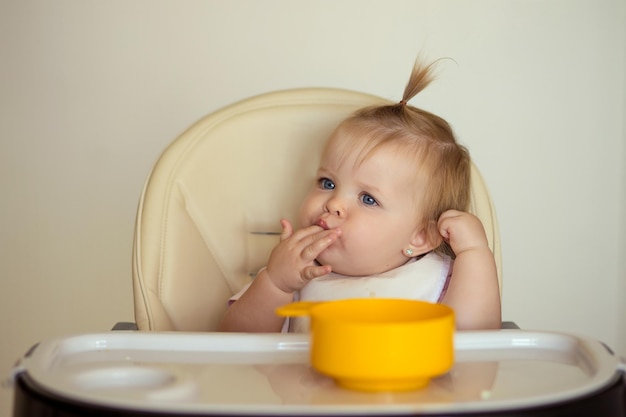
(123, 377)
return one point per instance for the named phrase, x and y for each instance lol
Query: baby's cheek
(308, 213)
(302, 220)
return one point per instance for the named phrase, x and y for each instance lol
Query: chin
(349, 269)
(355, 271)
(346, 270)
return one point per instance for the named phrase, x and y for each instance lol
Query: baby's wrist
(266, 276)
(473, 249)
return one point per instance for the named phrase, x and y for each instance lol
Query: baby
(386, 217)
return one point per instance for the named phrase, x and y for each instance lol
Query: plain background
(91, 92)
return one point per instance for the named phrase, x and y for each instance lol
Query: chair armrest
(125, 325)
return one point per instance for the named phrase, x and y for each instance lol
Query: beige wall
(91, 92)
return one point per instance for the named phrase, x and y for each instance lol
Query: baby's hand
(463, 231)
(292, 262)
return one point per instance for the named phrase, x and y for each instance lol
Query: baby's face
(375, 204)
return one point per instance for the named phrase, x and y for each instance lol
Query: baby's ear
(426, 239)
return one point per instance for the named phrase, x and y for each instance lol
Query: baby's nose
(335, 206)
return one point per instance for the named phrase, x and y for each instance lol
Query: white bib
(424, 279)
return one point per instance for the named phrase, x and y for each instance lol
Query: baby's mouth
(322, 223)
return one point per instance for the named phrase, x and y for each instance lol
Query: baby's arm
(290, 267)
(473, 291)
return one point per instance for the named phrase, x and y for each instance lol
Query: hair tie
(402, 102)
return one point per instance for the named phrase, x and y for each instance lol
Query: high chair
(209, 213)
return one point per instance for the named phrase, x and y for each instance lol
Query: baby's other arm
(254, 310)
(290, 267)
(473, 291)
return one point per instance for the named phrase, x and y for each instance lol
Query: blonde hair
(423, 135)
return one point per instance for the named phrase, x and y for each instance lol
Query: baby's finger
(442, 226)
(319, 242)
(316, 271)
(287, 229)
(447, 215)
(307, 233)
(446, 221)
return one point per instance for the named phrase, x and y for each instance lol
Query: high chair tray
(269, 374)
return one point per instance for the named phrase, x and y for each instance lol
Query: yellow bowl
(379, 344)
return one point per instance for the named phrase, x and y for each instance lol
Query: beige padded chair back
(210, 209)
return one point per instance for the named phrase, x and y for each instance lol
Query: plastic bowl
(379, 344)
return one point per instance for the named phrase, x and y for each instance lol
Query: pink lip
(322, 223)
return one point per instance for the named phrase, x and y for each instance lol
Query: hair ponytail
(421, 76)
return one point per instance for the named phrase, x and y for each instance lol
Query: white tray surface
(270, 374)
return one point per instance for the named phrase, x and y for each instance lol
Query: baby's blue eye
(368, 200)
(327, 184)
